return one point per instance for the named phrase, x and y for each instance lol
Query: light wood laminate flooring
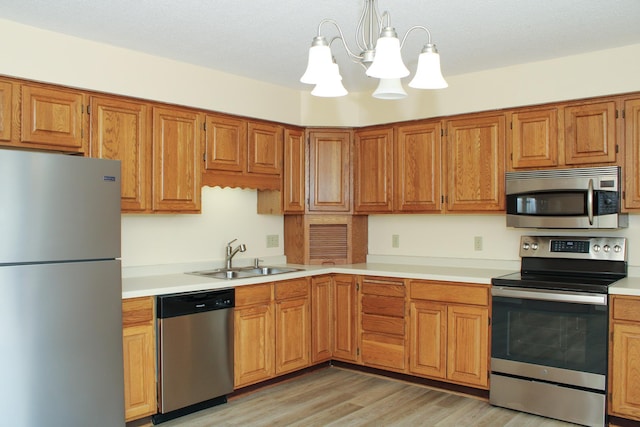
(341, 397)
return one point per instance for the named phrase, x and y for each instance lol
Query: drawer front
(450, 292)
(626, 308)
(137, 311)
(385, 306)
(295, 288)
(253, 294)
(383, 351)
(383, 324)
(383, 288)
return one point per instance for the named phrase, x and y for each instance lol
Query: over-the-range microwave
(565, 198)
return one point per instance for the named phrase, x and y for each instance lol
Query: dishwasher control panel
(185, 303)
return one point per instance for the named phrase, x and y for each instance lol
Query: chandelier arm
(362, 44)
(341, 37)
(417, 27)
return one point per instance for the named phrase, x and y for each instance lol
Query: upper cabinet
(8, 131)
(52, 119)
(241, 153)
(590, 133)
(373, 170)
(329, 176)
(176, 151)
(475, 163)
(120, 130)
(293, 187)
(632, 153)
(534, 138)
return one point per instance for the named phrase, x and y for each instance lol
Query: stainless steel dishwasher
(195, 351)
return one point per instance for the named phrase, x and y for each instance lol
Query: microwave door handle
(590, 202)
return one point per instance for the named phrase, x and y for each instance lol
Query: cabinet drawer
(450, 292)
(626, 308)
(137, 311)
(383, 350)
(383, 288)
(254, 294)
(385, 306)
(383, 324)
(295, 288)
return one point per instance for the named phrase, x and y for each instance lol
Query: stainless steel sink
(244, 272)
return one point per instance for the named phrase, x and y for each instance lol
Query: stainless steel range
(550, 327)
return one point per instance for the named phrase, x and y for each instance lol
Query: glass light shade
(387, 62)
(428, 74)
(330, 86)
(390, 89)
(320, 60)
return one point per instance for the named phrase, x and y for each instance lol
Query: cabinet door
(475, 164)
(428, 345)
(294, 171)
(373, 171)
(6, 111)
(632, 153)
(321, 318)
(119, 131)
(418, 168)
(329, 171)
(293, 329)
(254, 340)
(264, 148)
(625, 365)
(590, 133)
(345, 346)
(139, 371)
(468, 345)
(226, 144)
(534, 139)
(176, 160)
(52, 118)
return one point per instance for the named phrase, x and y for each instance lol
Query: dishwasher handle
(183, 304)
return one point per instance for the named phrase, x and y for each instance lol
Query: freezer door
(61, 345)
(56, 207)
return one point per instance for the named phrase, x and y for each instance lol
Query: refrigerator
(60, 291)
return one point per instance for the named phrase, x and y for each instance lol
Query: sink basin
(243, 272)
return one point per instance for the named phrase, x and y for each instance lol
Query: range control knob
(606, 248)
(596, 248)
(534, 246)
(525, 246)
(617, 248)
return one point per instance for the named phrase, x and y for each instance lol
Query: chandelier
(382, 60)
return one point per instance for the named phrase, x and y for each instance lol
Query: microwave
(565, 198)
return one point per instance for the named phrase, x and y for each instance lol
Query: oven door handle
(549, 295)
(590, 202)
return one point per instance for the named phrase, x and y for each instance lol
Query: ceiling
(269, 40)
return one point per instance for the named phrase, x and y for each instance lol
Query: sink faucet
(231, 252)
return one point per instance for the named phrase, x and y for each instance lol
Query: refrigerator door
(56, 207)
(61, 345)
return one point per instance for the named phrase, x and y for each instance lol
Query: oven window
(558, 334)
(548, 203)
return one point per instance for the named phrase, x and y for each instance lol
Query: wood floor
(339, 397)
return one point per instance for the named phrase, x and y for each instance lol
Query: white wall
(36, 54)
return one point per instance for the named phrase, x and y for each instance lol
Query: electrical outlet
(395, 241)
(477, 243)
(273, 241)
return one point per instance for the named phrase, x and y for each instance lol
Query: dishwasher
(195, 351)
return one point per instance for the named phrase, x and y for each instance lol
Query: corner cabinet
(475, 164)
(139, 351)
(177, 158)
(373, 171)
(329, 177)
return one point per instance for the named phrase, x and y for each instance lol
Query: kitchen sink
(244, 272)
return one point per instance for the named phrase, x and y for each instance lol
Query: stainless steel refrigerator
(60, 291)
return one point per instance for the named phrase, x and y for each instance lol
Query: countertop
(182, 282)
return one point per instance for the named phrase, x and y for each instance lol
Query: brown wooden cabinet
(475, 164)
(382, 323)
(293, 325)
(329, 174)
(632, 153)
(590, 133)
(254, 334)
(417, 167)
(138, 339)
(321, 318)
(450, 332)
(225, 147)
(9, 122)
(293, 187)
(120, 131)
(177, 147)
(533, 139)
(624, 386)
(345, 314)
(373, 170)
(52, 118)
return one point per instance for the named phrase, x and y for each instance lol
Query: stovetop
(555, 282)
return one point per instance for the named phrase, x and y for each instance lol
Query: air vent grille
(328, 241)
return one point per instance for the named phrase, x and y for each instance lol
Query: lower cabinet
(450, 332)
(624, 387)
(345, 316)
(293, 325)
(138, 343)
(321, 318)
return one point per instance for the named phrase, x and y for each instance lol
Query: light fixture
(382, 60)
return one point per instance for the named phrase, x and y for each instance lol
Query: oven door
(554, 336)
